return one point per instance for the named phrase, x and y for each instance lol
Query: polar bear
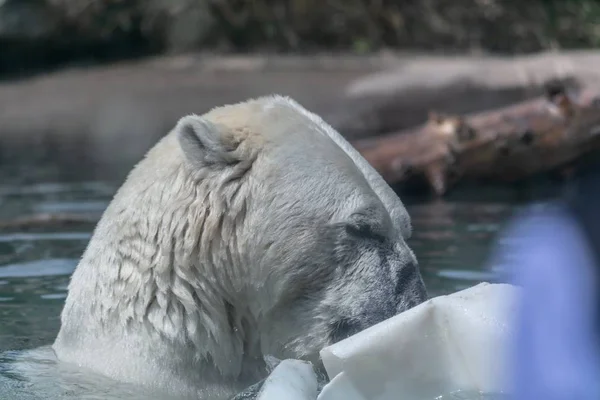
(254, 229)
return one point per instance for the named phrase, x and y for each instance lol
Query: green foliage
(359, 25)
(447, 25)
(47, 30)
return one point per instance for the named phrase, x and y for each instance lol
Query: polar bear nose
(410, 289)
(405, 279)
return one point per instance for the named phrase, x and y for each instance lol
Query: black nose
(410, 290)
(407, 277)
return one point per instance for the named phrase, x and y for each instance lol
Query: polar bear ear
(203, 143)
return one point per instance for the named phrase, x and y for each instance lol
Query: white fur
(219, 248)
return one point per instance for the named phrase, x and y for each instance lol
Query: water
(451, 240)
(35, 264)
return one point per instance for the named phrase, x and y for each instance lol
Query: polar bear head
(253, 229)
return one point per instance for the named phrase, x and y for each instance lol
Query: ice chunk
(447, 344)
(290, 380)
(340, 387)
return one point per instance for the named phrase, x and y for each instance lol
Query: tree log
(506, 144)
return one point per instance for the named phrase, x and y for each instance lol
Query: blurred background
(470, 109)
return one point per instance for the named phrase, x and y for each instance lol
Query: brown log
(506, 144)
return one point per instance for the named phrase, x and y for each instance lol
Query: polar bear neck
(163, 274)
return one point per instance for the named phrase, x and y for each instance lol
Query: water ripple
(55, 188)
(49, 267)
(32, 237)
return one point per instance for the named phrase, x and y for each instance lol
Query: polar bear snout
(410, 289)
(379, 296)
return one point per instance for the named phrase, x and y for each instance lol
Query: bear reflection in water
(252, 230)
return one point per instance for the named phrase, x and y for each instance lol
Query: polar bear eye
(362, 230)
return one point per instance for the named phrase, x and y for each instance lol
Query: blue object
(556, 348)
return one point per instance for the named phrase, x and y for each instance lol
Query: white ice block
(340, 387)
(449, 343)
(290, 380)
